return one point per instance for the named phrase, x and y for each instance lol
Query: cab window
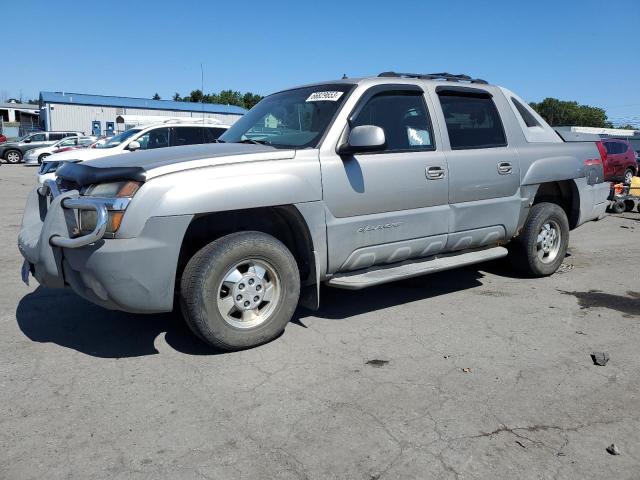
(404, 118)
(472, 121)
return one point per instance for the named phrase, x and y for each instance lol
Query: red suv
(620, 163)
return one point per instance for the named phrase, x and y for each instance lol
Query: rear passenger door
(484, 172)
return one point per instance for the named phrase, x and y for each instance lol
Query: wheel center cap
(248, 292)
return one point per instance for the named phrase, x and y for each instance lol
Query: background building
(103, 115)
(18, 118)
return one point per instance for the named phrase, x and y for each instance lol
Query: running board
(384, 274)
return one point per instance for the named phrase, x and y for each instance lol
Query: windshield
(291, 119)
(118, 139)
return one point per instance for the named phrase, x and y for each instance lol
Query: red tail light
(603, 151)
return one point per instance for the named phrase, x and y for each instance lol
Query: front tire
(42, 157)
(13, 156)
(240, 291)
(542, 245)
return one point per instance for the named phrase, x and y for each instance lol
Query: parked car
(351, 183)
(36, 155)
(620, 164)
(13, 152)
(159, 135)
(2, 138)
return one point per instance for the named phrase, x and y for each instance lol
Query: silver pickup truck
(350, 183)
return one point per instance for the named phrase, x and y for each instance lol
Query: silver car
(37, 155)
(351, 183)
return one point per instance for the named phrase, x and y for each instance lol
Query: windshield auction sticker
(324, 96)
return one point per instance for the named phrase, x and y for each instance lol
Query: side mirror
(133, 146)
(27, 140)
(365, 138)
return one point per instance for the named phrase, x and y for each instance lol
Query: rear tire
(240, 291)
(13, 156)
(628, 176)
(542, 245)
(628, 205)
(618, 207)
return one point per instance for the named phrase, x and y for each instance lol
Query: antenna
(202, 90)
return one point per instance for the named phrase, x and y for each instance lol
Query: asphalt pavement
(469, 374)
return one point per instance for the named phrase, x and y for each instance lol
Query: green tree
(195, 96)
(249, 100)
(156, 96)
(569, 113)
(225, 97)
(628, 126)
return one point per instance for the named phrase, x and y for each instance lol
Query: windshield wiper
(255, 142)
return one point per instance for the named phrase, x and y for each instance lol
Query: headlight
(113, 190)
(49, 167)
(109, 191)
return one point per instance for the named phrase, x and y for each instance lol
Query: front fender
(223, 188)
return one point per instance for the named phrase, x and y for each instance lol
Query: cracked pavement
(89, 393)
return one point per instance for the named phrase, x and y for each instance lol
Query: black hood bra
(82, 175)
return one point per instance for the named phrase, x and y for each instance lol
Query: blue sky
(583, 50)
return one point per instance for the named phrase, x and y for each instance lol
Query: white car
(36, 155)
(168, 134)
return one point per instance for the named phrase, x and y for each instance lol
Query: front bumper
(132, 274)
(30, 160)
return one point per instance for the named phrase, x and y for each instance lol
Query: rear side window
(614, 148)
(211, 134)
(472, 121)
(56, 136)
(188, 136)
(404, 118)
(529, 120)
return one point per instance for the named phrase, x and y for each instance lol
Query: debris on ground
(613, 450)
(600, 358)
(377, 363)
(580, 332)
(521, 444)
(466, 370)
(564, 268)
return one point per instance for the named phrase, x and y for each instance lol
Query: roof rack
(449, 77)
(214, 121)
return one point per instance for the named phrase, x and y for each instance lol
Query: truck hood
(172, 159)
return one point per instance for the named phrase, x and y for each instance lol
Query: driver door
(390, 205)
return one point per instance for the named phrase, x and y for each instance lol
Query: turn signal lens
(88, 219)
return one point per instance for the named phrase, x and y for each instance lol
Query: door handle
(435, 173)
(505, 168)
